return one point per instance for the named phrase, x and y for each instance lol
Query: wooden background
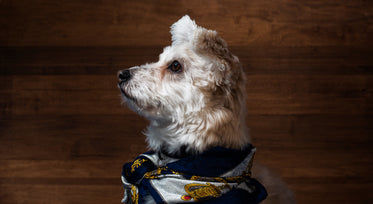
(64, 134)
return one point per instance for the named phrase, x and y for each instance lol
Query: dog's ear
(183, 30)
(209, 42)
(186, 30)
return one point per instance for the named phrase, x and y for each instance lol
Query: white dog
(194, 98)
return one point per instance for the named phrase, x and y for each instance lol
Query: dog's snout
(124, 75)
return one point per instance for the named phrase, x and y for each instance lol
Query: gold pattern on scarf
(156, 173)
(137, 163)
(135, 195)
(197, 191)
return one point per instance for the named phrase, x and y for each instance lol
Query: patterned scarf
(219, 175)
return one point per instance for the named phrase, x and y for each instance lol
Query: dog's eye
(175, 67)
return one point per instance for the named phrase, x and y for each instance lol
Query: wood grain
(340, 60)
(64, 133)
(116, 22)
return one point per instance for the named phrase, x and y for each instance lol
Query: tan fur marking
(163, 70)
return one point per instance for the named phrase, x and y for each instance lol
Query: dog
(194, 98)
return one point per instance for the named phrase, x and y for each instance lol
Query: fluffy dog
(194, 98)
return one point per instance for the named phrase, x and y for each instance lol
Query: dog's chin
(149, 112)
(126, 95)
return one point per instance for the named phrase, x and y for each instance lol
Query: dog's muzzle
(123, 77)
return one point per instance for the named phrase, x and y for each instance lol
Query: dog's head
(193, 96)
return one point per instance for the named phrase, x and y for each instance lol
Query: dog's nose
(124, 75)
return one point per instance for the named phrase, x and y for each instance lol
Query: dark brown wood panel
(57, 192)
(117, 22)
(272, 60)
(64, 133)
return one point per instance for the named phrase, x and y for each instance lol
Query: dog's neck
(198, 133)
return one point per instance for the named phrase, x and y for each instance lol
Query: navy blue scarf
(218, 175)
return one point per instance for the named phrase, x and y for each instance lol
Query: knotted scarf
(218, 175)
